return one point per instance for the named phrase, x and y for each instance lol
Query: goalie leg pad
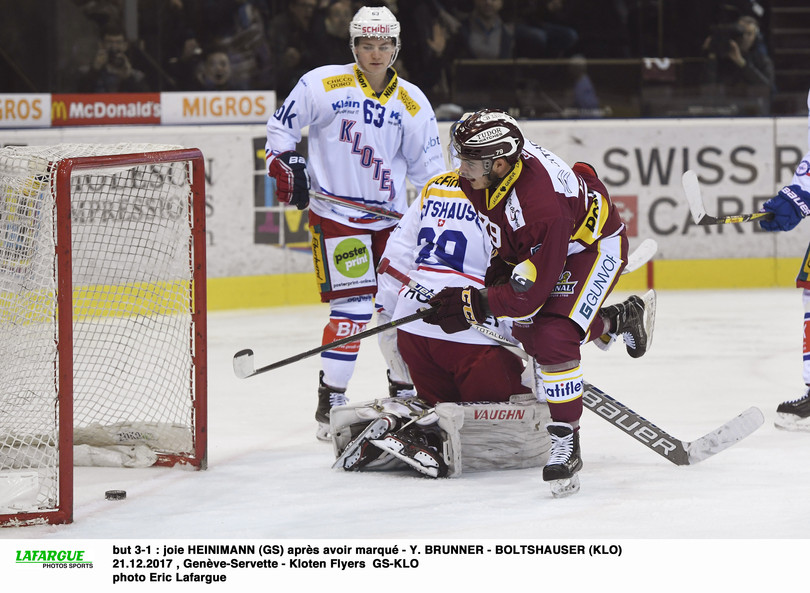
(497, 435)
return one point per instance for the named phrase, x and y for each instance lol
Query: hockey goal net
(102, 317)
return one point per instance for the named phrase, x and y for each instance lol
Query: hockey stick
(648, 434)
(658, 440)
(691, 187)
(382, 212)
(243, 364)
(385, 267)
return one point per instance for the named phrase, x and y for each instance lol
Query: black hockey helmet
(488, 134)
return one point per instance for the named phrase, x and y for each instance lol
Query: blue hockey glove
(789, 206)
(289, 169)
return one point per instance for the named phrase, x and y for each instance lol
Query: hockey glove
(289, 169)
(456, 309)
(789, 206)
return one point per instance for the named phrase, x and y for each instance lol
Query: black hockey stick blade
(694, 195)
(244, 367)
(658, 440)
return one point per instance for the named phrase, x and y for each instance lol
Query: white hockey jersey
(361, 146)
(438, 243)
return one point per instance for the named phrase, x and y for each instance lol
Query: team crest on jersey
(338, 82)
(803, 168)
(565, 286)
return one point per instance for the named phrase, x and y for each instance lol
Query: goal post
(102, 317)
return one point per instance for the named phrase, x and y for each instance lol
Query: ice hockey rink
(714, 354)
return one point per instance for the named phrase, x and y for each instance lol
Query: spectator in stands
(539, 32)
(739, 66)
(737, 56)
(430, 40)
(111, 70)
(290, 36)
(215, 74)
(330, 36)
(239, 28)
(485, 34)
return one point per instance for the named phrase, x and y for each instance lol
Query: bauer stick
(243, 363)
(656, 439)
(691, 187)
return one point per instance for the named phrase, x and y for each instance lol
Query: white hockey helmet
(374, 21)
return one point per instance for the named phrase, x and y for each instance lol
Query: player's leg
(795, 414)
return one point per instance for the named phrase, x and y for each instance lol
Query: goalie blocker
(397, 433)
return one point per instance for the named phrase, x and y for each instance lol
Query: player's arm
(421, 147)
(284, 164)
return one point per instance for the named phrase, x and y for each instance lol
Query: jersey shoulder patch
(410, 104)
(341, 81)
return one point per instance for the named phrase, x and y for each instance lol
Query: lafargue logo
(54, 558)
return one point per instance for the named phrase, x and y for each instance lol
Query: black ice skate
(360, 452)
(328, 398)
(396, 389)
(794, 414)
(634, 319)
(418, 447)
(563, 461)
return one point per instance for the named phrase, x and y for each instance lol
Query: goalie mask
(486, 135)
(375, 21)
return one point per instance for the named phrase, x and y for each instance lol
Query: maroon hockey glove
(289, 169)
(456, 309)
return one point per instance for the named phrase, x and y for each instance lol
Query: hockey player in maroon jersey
(567, 245)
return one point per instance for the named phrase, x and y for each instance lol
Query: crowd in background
(192, 45)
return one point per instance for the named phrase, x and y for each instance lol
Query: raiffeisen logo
(54, 558)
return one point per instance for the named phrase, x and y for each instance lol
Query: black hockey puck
(115, 494)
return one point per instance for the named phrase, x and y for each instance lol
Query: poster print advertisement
(350, 262)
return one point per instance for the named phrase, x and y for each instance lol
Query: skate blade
(791, 422)
(564, 487)
(395, 448)
(351, 455)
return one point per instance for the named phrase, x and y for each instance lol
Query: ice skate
(634, 319)
(360, 452)
(794, 414)
(396, 389)
(328, 398)
(413, 446)
(564, 461)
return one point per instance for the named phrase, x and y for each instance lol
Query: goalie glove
(789, 206)
(289, 169)
(456, 309)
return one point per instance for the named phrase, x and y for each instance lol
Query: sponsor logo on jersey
(410, 105)
(523, 276)
(351, 258)
(338, 82)
(285, 114)
(565, 286)
(598, 286)
(591, 228)
(345, 105)
(803, 168)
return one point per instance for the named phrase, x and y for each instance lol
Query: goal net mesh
(132, 328)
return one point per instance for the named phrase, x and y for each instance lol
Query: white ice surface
(715, 353)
